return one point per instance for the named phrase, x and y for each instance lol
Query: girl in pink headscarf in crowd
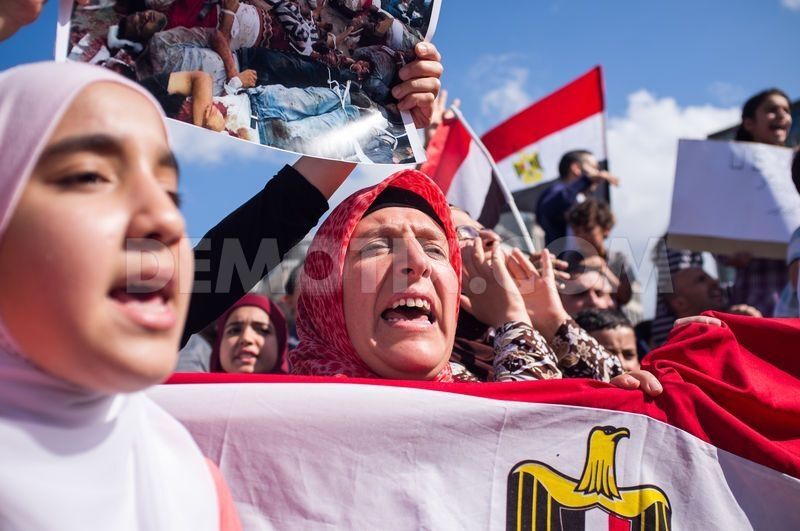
(252, 337)
(95, 271)
(380, 296)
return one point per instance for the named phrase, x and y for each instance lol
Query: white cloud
(727, 93)
(794, 5)
(207, 147)
(643, 146)
(508, 94)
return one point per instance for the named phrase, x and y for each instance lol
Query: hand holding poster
(309, 76)
(733, 196)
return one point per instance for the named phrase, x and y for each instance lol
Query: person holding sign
(789, 305)
(767, 119)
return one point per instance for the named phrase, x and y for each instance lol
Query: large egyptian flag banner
(527, 149)
(719, 449)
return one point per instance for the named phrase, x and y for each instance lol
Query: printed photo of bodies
(309, 76)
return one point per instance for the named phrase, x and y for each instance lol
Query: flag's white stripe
(308, 456)
(471, 182)
(587, 134)
(596, 520)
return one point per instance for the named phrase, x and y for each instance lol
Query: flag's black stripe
(493, 206)
(542, 502)
(572, 520)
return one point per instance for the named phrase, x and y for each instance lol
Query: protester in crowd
(289, 206)
(251, 338)
(589, 286)
(685, 289)
(473, 347)
(579, 173)
(614, 332)
(291, 292)
(789, 305)
(591, 222)
(90, 184)
(381, 288)
(767, 119)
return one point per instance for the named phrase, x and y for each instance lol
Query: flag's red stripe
(446, 152)
(567, 106)
(618, 524)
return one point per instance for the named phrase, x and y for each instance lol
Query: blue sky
(673, 69)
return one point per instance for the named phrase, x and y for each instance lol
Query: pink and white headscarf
(325, 348)
(75, 459)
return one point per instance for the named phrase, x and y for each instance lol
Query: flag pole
(526, 236)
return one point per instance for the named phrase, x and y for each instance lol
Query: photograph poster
(313, 77)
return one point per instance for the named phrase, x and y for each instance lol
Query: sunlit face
(694, 292)
(95, 270)
(772, 121)
(400, 294)
(249, 343)
(590, 289)
(620, 341)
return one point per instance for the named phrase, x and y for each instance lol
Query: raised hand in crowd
(489, 290)
(539, 291)
(559, 266)
(440, 113)
(603, 175)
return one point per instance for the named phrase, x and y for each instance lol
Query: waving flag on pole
(529, 145)
(527, 148)
(463, 172)
(719, 449)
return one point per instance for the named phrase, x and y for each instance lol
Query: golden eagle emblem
(542, 498)
(528, 168)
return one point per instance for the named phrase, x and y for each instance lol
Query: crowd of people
(397, 284)
(283, 73)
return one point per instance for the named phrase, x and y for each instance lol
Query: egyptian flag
(718, 449)
(457, 164)
(527, 149)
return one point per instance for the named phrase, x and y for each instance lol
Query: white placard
(734, 196)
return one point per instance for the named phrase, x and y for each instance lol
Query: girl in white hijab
(95, 275)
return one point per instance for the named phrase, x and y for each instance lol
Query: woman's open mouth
(414, 311)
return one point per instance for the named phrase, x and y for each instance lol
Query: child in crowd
(766, 119)
(591, 222)
(95, 270)
(614, 333)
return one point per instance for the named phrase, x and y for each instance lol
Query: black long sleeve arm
(252, 240)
